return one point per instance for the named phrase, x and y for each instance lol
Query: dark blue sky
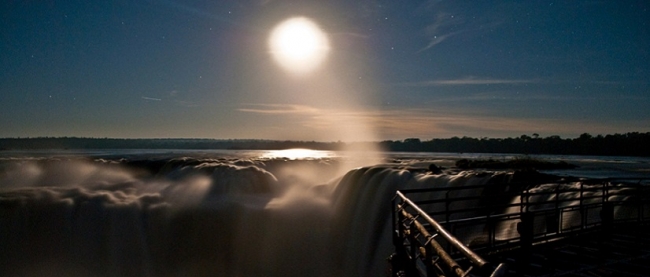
(394, 70)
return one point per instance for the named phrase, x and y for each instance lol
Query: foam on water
(219, 215)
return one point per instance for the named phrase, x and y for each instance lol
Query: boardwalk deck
(622, 251)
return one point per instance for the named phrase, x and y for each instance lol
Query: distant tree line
(628, 144)
(116, 143)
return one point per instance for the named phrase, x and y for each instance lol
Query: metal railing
(431, 235)
(418, 245)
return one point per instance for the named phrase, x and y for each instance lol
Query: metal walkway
(585, 228)
(623, 251)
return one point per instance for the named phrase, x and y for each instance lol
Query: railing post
(395, 214)
(490, 225)
(413, 263)
(399, 259)
(583, 210)
(448, 218)
(553, 221)
(557, 197)
(523, 202)
(447, 205)
(525, 228)
(396, 260)
(607, 216)
(640, 203)
(431, 266)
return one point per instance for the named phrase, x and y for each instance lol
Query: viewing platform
(573, 228)
(622, 251)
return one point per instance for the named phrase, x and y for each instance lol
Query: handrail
(438, 253)
(449, 261)
(476, 259)
(592, 200)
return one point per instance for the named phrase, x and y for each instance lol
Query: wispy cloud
(193, 10)
(437, 39)
(446, 24)
(279, 109)
(360, 124)
(473, 80)
(424, 123)
(441, 29)
(151, 98)
(469, 81)
(500, 96)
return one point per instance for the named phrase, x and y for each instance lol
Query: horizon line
(534, 135)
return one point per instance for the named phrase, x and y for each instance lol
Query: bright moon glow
(298, 45)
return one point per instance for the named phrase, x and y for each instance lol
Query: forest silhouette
(628, 144)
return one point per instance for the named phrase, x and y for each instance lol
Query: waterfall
(214, 217)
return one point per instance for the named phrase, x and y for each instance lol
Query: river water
(224, 212)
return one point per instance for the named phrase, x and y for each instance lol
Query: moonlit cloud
(279, 109)
(450, 23)
(329, 124)
(427, 123)
(506, 96)
(390, 123)
(469, 81)
(437, 39)
(441, 30)
(194, 11)
(151, 98)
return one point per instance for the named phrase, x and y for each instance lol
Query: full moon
(298, 45)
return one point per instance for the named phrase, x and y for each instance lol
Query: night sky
(394, 69)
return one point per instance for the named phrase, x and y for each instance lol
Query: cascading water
(208, 217)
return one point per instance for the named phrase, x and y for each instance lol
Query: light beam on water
(339, 104)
